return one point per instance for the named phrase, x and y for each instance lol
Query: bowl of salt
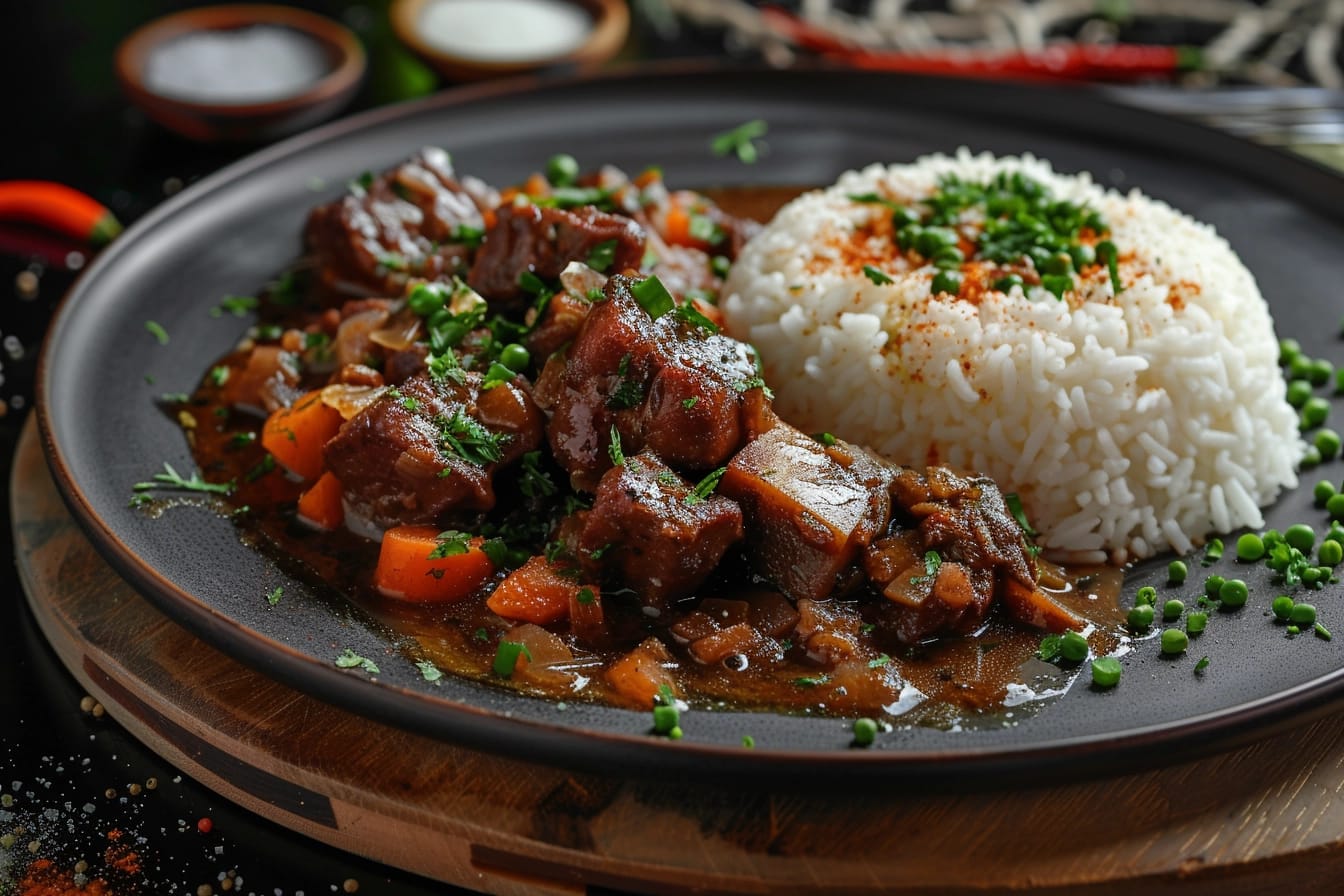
(240, 73)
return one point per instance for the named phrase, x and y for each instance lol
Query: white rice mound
(1128, 424)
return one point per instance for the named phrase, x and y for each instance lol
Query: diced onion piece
(350, 400)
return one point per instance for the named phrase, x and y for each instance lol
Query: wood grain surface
(1263, 819)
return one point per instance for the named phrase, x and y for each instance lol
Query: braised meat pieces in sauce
(540, 374)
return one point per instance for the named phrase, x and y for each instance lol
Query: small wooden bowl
(210, 121)
(610, 25)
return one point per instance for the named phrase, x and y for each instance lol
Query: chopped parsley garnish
(669, 479)
(238, 306)
(263, 466)
(156, 330)
(469, 440)
(1051, 648)
(615, 450)
(873, 198)
(628, 392)
(428, 671)
(171, 479)
(174, 398)
(653, 297)
(285, 290)
(219, 375)
(361, 184)
(811, 681)
(535, 482)
(755, 382)
(393, 261)
(351, 660)
(498, 552)
(574, 197)
(879, 661)
(274, 597)
(933, 561)
(741, 141)
(704, 488)
(497, 375)
(1201, 665)
(602, 255)
(586, 596)
(878, 277)
(533, 285)
(450, 544)
(1014, 503)
(689, 403)
(445, 366)
(242, 439)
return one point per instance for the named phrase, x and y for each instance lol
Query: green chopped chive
(155, 329)
(879, 278)
(653, 297)
(1213, 552)
(1014, 504)
(1321, 632)
(741, 141)
(1106, 672)
(506, 657)
(562, 170)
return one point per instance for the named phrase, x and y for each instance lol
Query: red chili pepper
(1078, 62)
(57, 207)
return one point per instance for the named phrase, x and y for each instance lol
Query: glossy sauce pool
(990, 678)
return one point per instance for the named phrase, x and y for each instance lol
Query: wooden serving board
(1262, 819)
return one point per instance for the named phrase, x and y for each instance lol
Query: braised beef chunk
(417, 220)
(809, 508)
(541, 240)
(430, 447)
(661, 534)
(670, 385)
(942, 573)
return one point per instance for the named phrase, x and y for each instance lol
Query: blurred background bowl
(471, 40)
(211, 114)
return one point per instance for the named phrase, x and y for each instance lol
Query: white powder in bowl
(257, 64)
(504, 30)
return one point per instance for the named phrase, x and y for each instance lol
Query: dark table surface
(70, 777)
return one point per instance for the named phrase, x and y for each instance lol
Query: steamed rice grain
(1129, 423)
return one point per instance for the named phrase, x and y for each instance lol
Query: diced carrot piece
(647, 177)
(408, 570)
(677, 226)
(1032, 606)
(534, 592)
(296, 435)
(641, 673)
(320, 506)
(537, 185)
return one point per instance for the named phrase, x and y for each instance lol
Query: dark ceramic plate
(234, 231)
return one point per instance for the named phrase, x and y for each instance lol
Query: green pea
(1282, 606)
(1176, 572)
(1315, 411)
(908, 235)
(1320, 372)
(1213, 585)
(1106, 672)
(1292, 630)
(1298, 392)
(515, 357)
(425, 299)
(1323, 491)
(1058, 263)
(1082, 255)
(1140, 617)
(1300, 536)
(947, 282)
(1327, 442)
(1330, 553)
(1302, 614)
(931, 239)
(1336, 532)
(1234, 593)
(1172, 609)
(1250, 547)
(1334, 505)
(1196, 622)
(1007, 282)
(1311, 457)
(1174, 641)
(1057, 284)
(1145, 596)
(562, 170)
(904, 215)
(720, 265)
(1288, 349)
(865, 732)
(1313, 576)
(1073, 647)
(1299, 367)
(1339, 380)
(948, 258)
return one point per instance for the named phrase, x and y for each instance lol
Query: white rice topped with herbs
(1128, 422)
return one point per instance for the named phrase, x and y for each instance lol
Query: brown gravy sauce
(989, 679)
